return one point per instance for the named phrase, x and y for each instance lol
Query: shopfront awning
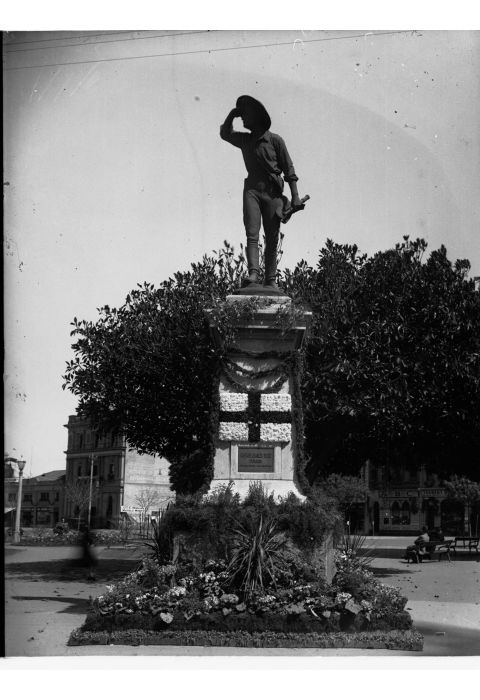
(8, 510)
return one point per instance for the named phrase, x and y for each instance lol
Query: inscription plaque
(254, 459)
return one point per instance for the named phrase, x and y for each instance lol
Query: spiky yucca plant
(257, 558)
(354, 548)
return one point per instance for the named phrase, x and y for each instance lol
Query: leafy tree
(78, 493)
(391, 370)
(467, 492)
(126, 525)
(147, 368)
(146, 500)
(345, 491)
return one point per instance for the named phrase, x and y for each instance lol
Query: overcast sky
(115, 173)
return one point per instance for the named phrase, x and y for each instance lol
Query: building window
(80, 440)
(111, 472)
(395, 513)
(27, 498)
(452, 514)
(79, 470)
(405, 514)
(44, 496)
(12, 497)
(110, 506)
(57, 496)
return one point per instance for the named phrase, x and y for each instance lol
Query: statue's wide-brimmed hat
(261, 113)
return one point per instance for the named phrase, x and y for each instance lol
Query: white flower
(275, 402)
(265, 599)
(231, 401)
(229, 598)
(177, 591)
(275, 432)
(342, 598)
(233, 431)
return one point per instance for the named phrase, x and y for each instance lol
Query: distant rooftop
(49, 476)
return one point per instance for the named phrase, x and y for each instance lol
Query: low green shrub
(214, 518)
(49, 537)
(108, 538)
(45, 537)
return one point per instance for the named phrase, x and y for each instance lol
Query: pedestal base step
(260, 290)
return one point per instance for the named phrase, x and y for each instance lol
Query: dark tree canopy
(392, 364)
(345, 490)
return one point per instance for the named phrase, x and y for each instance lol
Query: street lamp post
(90, 490)
(16, 534)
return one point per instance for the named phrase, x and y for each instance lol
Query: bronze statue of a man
(266, 159)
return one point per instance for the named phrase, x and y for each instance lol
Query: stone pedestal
(258, 401)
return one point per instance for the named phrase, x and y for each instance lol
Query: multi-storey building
(42, 496)
(122, 480)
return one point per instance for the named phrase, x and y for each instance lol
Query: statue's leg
(271, 226)
(252, 221)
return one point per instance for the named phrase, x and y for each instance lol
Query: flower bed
(173, 603)
(268, 591)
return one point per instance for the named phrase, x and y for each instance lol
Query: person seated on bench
(436, 535)
(416, 550)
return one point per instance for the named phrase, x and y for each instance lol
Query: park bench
(466, 544)
(439, 548)
(431, 548)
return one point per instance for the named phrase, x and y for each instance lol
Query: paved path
(46, 598)
(443, 600)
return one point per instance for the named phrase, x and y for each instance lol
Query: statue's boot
(270, 267)
(253, 263)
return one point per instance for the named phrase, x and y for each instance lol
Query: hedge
(410, 640)
(265, 623)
